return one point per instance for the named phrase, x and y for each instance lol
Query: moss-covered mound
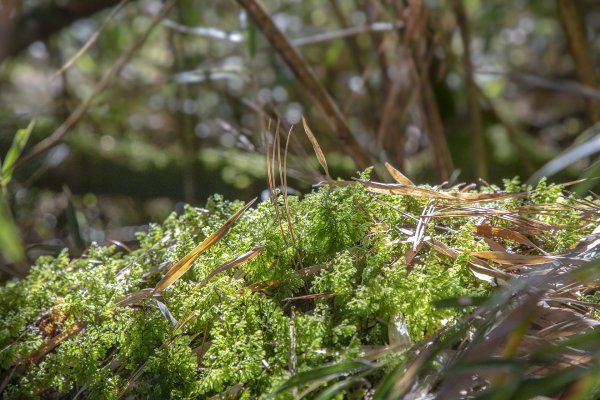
(336, 275)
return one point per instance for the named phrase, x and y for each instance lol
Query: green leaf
(73, 222)
(10, 241)
(250, 38)
(18, 144)
(324, 373)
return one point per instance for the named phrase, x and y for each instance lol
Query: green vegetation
(334, 283)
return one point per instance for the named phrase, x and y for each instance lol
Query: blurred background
(143, 106)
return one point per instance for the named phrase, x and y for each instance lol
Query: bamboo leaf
(186, 262)
(335, 389)
(512, 259)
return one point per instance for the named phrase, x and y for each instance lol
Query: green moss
(234, 331)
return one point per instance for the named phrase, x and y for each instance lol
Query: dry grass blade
(493, 245)
(235, 262)
(513, 259)
(186, 262)
(316, 147)
(384, 188)
(398, 176)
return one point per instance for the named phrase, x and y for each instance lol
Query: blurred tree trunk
(574, 27)
(472, 91)
(9, 16)
(417, 33)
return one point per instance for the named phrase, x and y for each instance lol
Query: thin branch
(91, 41)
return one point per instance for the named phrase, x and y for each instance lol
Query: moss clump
(337, 263)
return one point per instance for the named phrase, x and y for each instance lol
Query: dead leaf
(316, 147)
(186, 262)
(490, 231)
(35, 356)
(398, 176)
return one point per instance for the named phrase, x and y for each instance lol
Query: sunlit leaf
(14, 152)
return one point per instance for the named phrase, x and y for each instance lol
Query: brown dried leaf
(398, 176)
(186, 262)
(493, 245)
(316, 147)
(490, 231)
(35, 356)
